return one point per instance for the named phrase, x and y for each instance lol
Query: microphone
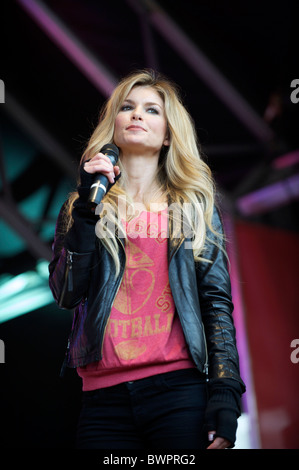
(100, 184)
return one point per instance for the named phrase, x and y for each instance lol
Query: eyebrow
(149, 103)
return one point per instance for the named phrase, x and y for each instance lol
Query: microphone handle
(97, 191)
(99, 187)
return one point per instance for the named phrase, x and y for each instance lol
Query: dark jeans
(165, 411)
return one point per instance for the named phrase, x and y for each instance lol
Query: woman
(153, 337)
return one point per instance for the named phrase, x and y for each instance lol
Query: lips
(136, 128)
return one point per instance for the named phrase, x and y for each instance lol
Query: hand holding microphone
(103, 166)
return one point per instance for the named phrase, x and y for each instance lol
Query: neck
(141, 173)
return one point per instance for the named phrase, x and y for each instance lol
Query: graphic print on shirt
(143, 308)
(139, 266)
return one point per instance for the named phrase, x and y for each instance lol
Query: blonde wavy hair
(183, 178)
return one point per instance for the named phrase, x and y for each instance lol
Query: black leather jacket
(82, 276)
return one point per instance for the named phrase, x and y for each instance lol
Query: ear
(167, 140)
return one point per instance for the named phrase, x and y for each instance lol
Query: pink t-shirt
(143, 336)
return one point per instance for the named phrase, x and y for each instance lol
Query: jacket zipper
(66, 359)
(68, 276)
(206, 364)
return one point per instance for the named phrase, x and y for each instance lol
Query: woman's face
(140, 125)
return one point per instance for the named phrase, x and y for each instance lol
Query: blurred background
(237, 67)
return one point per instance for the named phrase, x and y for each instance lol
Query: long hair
(183, 177)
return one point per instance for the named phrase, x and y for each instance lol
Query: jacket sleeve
(225, 384)
(73, 252)
(214, 289)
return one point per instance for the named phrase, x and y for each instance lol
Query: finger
(97, 159)
(101, 156)
(99, 167)
(116, 170)
(110, 175)
(219, 443)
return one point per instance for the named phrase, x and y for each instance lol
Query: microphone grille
(110, 149)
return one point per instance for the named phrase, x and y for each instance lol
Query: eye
(126, 107)
(152, 110)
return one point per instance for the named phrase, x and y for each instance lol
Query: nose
(137, 115)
